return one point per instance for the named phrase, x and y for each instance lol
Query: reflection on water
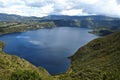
(48, 48)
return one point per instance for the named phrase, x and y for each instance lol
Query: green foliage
(1, 45)
(25, 75)
(98, 60)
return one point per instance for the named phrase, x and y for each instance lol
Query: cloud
(60, 7)
(111, 8)
(1, 4)
(118, 1)
(37, 3)
(73, 12)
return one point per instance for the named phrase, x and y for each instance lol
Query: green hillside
(12, 27)
(98, 60)
(15, 68)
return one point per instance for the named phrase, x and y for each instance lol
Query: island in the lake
(97, 60)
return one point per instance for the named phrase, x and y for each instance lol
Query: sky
(42, 8)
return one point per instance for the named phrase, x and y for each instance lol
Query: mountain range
(101, 25)
(14, 17)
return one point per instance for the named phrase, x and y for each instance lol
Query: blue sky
(60, 7)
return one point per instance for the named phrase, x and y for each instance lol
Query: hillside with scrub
(98, 60)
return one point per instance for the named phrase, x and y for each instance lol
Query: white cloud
(105, 7)
(87, 1)
(73, 12)
(64, 7)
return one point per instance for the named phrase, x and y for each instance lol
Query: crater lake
(48, 48)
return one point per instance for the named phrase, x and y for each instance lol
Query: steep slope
(98, 60)
(15, 68)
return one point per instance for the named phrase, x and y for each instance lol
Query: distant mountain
(13, 17)
(65, 17)
(98, 60)
(91, 21)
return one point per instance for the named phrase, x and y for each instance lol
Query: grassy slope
(11, 27)
(98, 60)
(15, 68)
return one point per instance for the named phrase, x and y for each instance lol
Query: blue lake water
(48, 48)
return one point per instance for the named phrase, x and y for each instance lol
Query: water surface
(48, 48)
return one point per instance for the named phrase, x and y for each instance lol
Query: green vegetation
(98, 60)
(11, 27)
(102, 31)
(15, 68)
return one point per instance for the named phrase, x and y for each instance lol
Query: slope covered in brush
(98, 60)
